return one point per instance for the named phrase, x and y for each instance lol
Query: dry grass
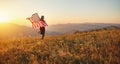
(94, 47)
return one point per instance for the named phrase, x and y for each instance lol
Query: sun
(4, 17)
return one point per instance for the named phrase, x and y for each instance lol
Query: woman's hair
(42, 17)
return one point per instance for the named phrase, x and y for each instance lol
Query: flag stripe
(37, 24)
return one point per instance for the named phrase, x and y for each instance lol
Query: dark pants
(42, 31)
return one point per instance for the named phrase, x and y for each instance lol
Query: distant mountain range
(8, 30)
(69, 28)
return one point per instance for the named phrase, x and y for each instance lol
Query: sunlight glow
(4, 17)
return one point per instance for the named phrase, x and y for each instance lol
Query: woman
(42, 28)
(38, 23)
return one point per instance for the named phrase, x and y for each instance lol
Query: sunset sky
(61, 11)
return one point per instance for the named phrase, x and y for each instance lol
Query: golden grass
(94, 47)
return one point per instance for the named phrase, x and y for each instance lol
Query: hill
(9, 30)
(71, 27)
(91, 47)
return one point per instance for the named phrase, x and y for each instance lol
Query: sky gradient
(62, 11)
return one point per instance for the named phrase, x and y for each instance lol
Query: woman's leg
(42, 30)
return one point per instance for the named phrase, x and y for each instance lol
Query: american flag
(35, 20)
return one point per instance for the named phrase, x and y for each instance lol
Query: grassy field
(88, 47)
